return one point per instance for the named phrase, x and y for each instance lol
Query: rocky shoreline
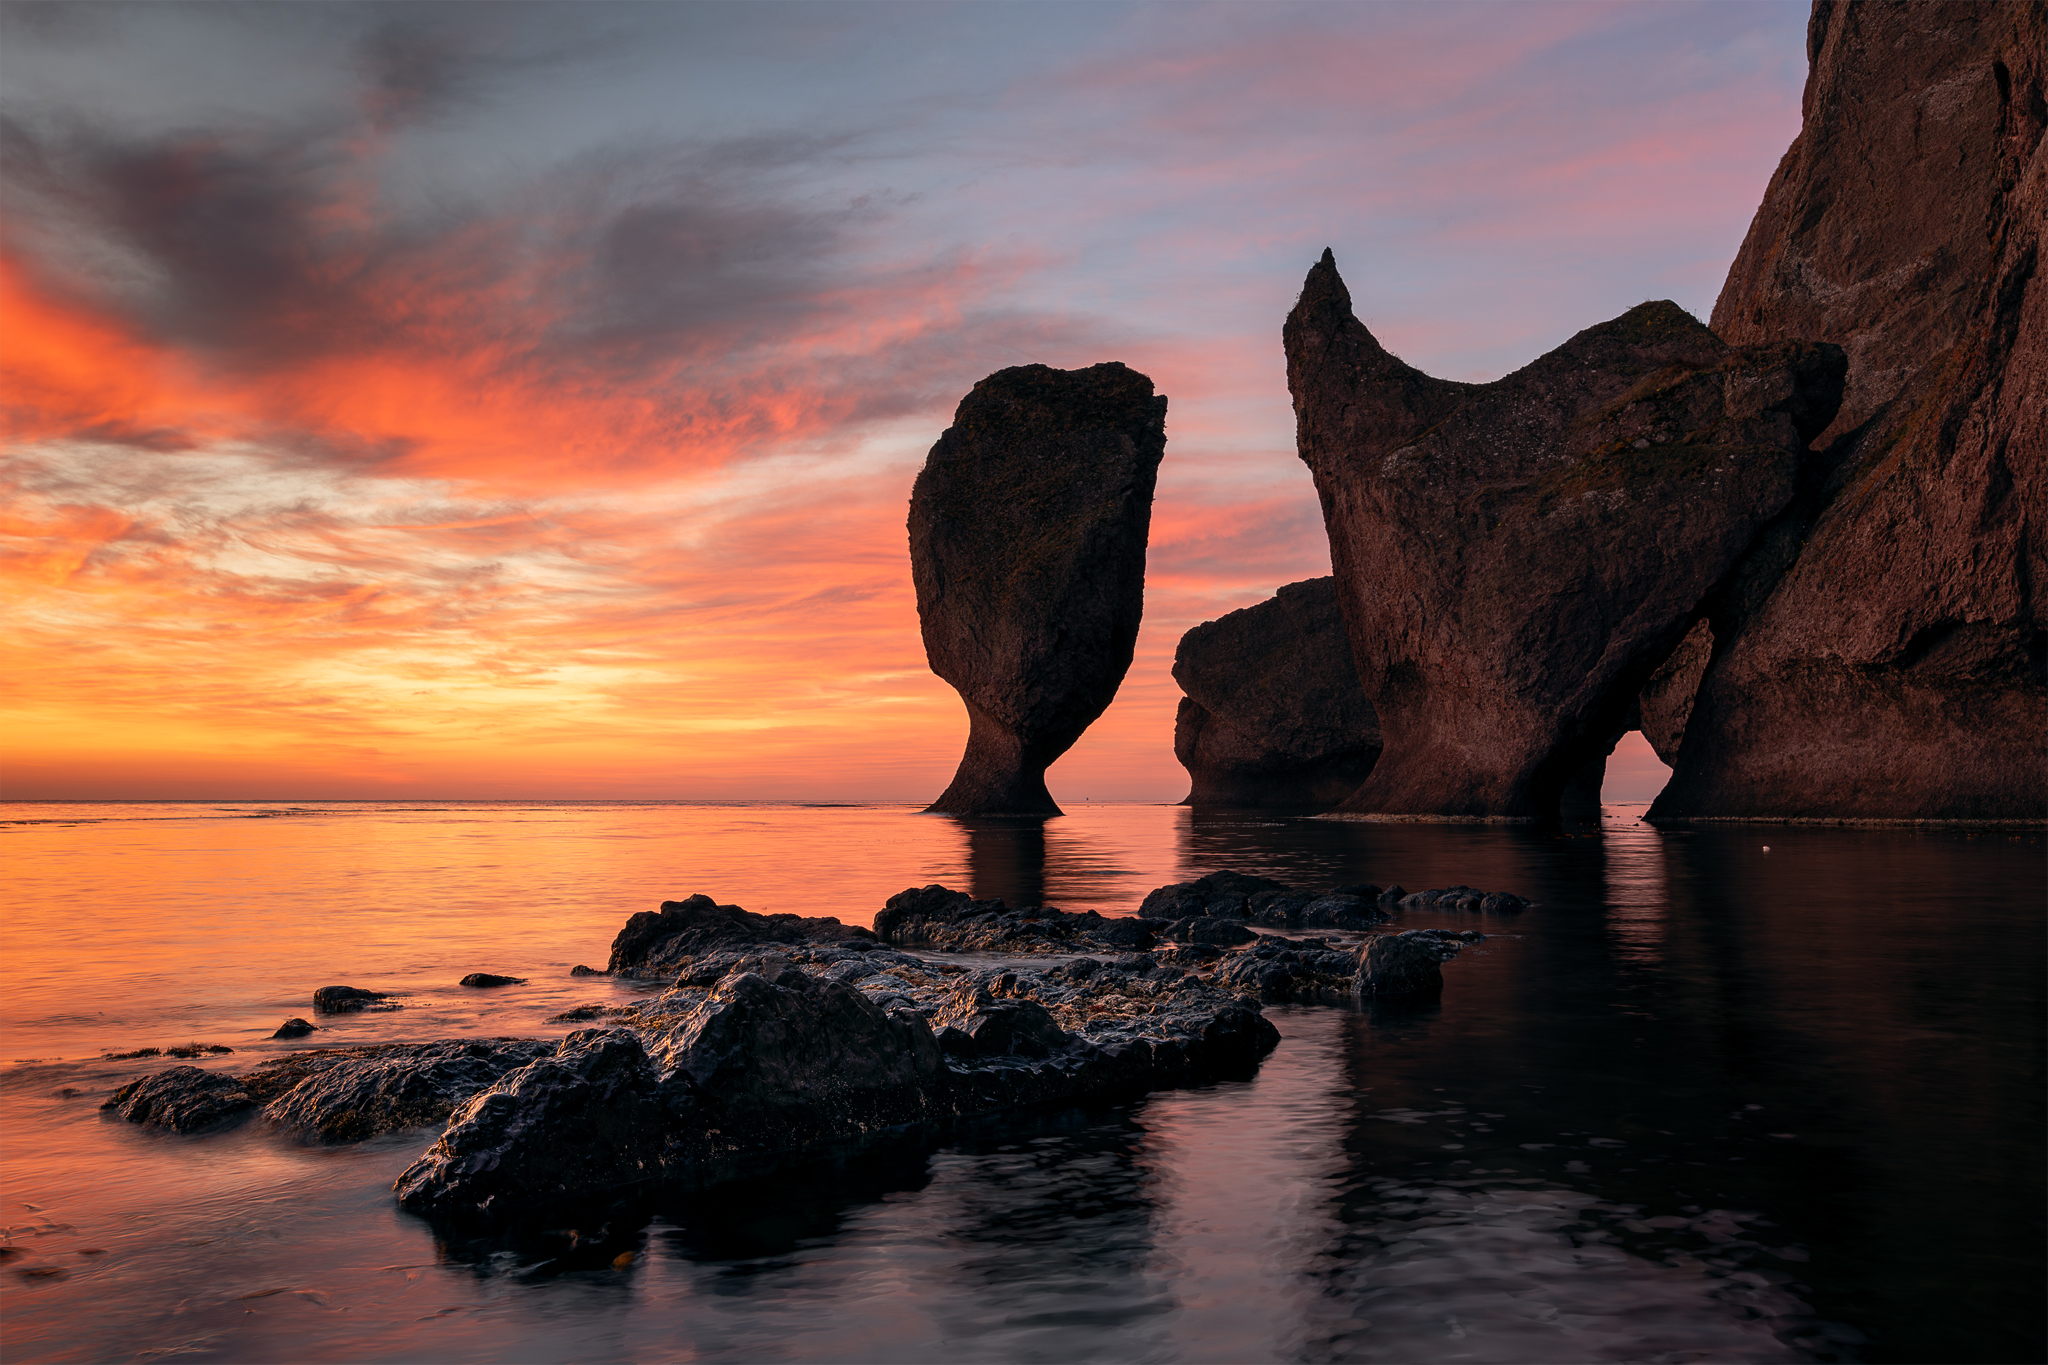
(778, 1039)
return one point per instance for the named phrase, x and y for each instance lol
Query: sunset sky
(523, 401)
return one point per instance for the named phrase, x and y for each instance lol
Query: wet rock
(349, 1096)
(1028, 527)
(1196, 929)
(1274, 715)
(1338, 910)
(580, 1126)
(580, 970)
(794, 1052)
(487, 979)
(294, 1028)
(1407, 966)
(976, 1023)
(1217, 895)
(795, 1060)
(1278, 969)
(656, 944)
(1516, 559)
(938, 917)
(349, 1000)
(184, 1099)
(582, 1014)
(1466, 899)
(1879, 652)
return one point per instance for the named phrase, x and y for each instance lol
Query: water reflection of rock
(1051, 1236)
(1319, 853)
(1006, 859)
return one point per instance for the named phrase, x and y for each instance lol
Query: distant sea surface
(1742, 1094)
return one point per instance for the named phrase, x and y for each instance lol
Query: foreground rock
(787, 1052)
(352, 1095)
(350, 1000)
(1407, 967)
(936, 917)
(660, 944)
(1515, 560)
(1879, 653)
(184, 1099)
(1028, 527)
(1274, 715)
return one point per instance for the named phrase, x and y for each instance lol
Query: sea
(1742, 1093)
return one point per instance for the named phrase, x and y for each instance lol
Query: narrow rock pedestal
(1028, 527)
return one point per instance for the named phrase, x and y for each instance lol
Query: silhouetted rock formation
(1027, 544)
(1881, 653)
(1274, 715)
(1515, 559)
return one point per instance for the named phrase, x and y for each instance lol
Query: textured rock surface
(654, 944)
(1881, 654)
(1666, 703)
(347, 1096)
(1516, 559)
(937, 917)
(1028, 527)
(350, 1000)
(582, 1125)
(762, 1055)
(1274, 715)
(183, 1099)
(1403, 966)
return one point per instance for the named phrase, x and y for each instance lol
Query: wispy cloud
(412, 399)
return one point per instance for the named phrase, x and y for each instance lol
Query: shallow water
(1705, 1103)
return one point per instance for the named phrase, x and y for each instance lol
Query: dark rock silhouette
(658, 943)
(1028, 527)
(1880, 654)
(1274, 715)
(489, 979)
(1514, 560)
(939, 917)
(350, 1000)
(294, 1028)
(1405, 966)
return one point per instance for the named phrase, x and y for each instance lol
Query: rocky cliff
(1028, 527)
(1880, 654)
(1515, 560)
(1274, 715)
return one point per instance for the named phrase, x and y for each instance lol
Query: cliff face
(1881, 653)
(1028, 528)
(1515, 560)
(1274, 715)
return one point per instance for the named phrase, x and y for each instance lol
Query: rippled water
(1707, 1103)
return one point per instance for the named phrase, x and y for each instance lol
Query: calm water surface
(1706, 1103)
